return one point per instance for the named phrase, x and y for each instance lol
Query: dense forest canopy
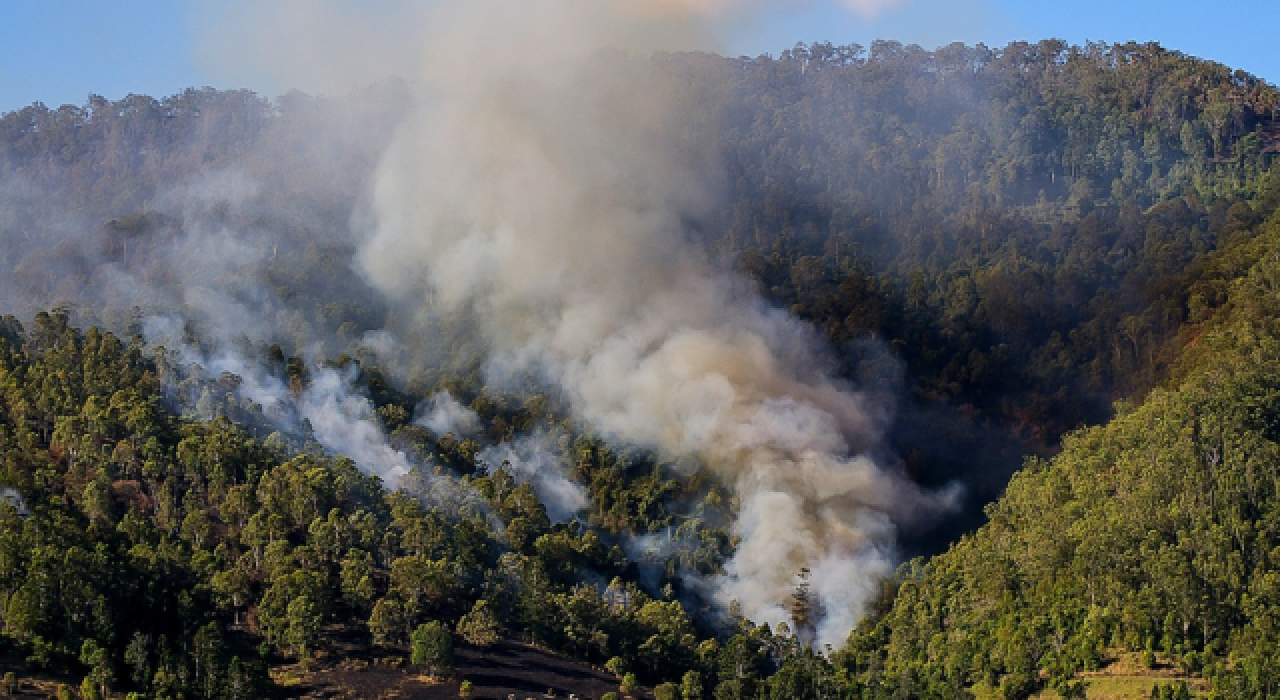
(208, 403)
(999, 219)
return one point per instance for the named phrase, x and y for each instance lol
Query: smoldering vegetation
(781, 282)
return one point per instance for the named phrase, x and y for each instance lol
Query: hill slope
(1004, 242)
(1155, 532)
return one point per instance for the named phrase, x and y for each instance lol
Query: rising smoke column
(334, 412)
(544, 188)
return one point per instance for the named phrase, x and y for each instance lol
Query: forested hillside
(1018, 226)
(1154, 533)
(1001, 246)
(177, 557)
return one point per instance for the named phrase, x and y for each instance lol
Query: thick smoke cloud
(344, 422)
(543, 187)
(546, 190)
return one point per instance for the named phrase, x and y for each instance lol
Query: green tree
(617, 666)
(387, 623)
(480, 626)
(669, 639)
(802, 608)
(733, 689)
(305, 621)
(356, 576)
(98, 503)
(691, 686)
(433, 647)
(101, 668)
(207, 647)
(630, 684)
(424, 582)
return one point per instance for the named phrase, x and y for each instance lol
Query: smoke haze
(541, 184)
(538, 461)
(329, 408)
(544, 188)
(443, 414)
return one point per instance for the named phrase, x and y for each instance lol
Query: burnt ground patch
(505, 669)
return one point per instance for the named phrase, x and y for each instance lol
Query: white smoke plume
(535, 460)
(654, 552)
(340, 418)
(344, 422)
(543, 185)
(441, 414)
(11, 498)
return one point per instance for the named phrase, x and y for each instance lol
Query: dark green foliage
(104, 568)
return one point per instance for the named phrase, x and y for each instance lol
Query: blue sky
(59, 51)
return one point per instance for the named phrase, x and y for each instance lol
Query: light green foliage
(101, 673)
(433, 647)
(424, 583)
(617, 666)
(480, 626)
(691, 686)
(357, 579)
(304, 622)
(387, 623)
